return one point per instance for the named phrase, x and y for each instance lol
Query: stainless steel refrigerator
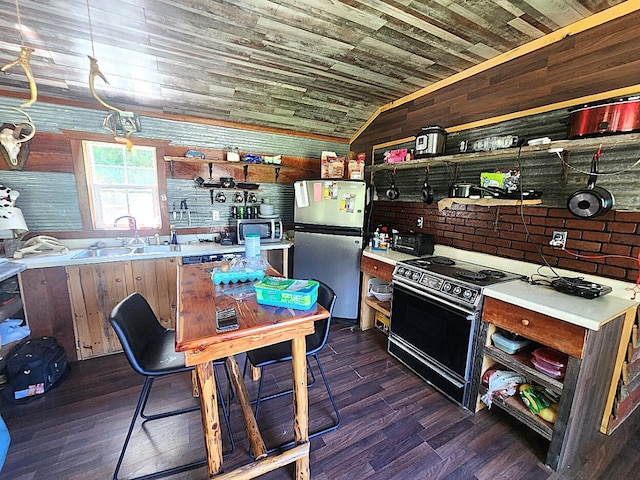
(329, 217)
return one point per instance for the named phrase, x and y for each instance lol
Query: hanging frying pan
(591, 201)
(426, 191)
(392, 192)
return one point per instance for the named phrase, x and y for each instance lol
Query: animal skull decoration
(14, 141)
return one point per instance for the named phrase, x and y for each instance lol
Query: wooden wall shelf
(488, 202)
(578, 145)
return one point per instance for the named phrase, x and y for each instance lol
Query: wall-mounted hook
(277, 173)
(246, 171)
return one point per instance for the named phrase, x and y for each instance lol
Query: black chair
(281, 352)
(150, 349)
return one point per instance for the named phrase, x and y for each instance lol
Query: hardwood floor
(394, 427)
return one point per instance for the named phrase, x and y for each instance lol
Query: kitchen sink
(123, 251)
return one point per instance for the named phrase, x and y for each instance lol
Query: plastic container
(382, 292)
(252, 245)
(288, 293)
(551, 358)
(245, 275)
(507, 345)
(544, 368)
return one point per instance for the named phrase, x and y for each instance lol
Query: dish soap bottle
(174, 237)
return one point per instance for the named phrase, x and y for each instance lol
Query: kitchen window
(122, 182)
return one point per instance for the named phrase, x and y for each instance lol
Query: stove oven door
(434, 339)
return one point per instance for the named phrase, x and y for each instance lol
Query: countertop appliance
(269, 229)
(430, 141)
(435, 321)
(329, 220)
(417, 244)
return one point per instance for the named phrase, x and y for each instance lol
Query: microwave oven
(269, 229)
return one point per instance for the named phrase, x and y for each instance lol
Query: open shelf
(515, 407)
(520, 362)
(217, 161)
(11, 308)
(489, 202)
(384, 307)
(577, 145)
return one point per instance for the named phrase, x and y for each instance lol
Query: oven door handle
(470, 316)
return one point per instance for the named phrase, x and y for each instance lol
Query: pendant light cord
(19, 23)
(93, 52)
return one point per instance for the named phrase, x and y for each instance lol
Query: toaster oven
(417, 244)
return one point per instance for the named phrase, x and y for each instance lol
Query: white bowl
(382, 292)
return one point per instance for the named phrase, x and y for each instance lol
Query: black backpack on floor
(34, 367)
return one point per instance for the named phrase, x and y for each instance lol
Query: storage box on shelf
(585, 389)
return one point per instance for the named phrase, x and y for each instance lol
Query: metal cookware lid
(432, 129)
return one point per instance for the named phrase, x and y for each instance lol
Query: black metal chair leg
(142, 402)
(313, 434)
(164, 414)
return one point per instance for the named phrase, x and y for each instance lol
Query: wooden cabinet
(585, 392)
(372, 268)
(94, 290)
(47, 306)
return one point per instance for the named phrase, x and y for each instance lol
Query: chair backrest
(326, 298)
(137, 328)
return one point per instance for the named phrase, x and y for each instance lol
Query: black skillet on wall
(392, 192)
(427, 191)
(591, 201)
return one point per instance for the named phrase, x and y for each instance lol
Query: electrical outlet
(419, 221)
(558, 240)
(215, 215)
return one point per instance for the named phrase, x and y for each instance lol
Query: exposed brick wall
(500, 231)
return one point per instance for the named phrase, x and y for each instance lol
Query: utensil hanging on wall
(392, 192)
(427, 190)
(591, 201)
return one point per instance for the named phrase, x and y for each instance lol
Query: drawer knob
(524, 322)
(375, 267)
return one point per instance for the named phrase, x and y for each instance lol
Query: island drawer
(549, 331)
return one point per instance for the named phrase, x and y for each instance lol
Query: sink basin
(104, 252)
(122, 251)
(155, 249)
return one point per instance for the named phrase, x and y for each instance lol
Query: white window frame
(147, 217)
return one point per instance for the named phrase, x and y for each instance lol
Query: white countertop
(588, 313)
(186, 250)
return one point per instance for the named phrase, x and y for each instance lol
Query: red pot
(622, 116)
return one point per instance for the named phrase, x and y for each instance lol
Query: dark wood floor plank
(395, 427)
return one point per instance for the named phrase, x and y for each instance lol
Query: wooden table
(196, 335)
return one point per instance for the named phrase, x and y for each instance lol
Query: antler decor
(24, 57)
(94, 72)
(23, 60)
(15, 143)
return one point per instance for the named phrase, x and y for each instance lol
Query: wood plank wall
(604, 58)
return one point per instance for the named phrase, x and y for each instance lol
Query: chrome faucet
(135, 241)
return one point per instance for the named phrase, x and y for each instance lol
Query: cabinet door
(156, 280)
(47, 306)
(94, 290)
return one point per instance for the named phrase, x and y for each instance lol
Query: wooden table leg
(300, 403)
(253, 433)
(210, 417)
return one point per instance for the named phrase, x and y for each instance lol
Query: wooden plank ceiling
(310, 66)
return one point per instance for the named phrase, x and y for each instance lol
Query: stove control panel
(429, 282)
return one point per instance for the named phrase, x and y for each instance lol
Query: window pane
(139, 176)
(122, 182)
(109, 175)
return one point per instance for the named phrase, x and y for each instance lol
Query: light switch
(215, 215)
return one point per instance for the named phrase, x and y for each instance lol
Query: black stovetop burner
(479, 275)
